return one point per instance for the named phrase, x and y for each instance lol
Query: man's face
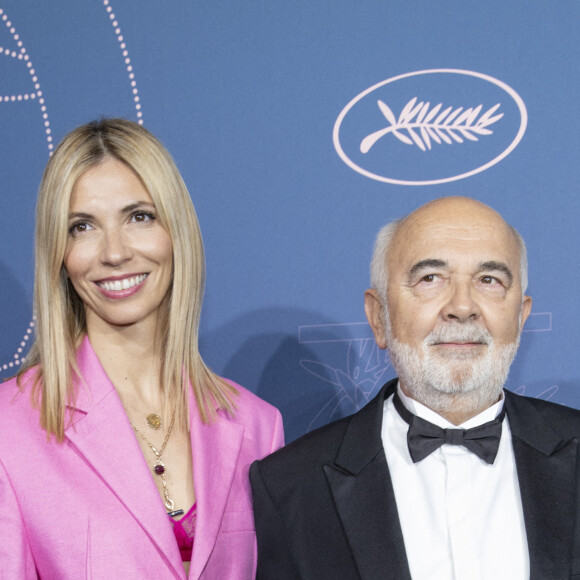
(454, 295)
(455, 383)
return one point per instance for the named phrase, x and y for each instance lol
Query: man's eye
(429, 278)
(489, 280)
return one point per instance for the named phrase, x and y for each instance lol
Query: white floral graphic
(423, 126)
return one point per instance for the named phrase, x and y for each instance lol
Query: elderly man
(444, 475)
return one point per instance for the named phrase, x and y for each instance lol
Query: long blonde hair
(60, 313)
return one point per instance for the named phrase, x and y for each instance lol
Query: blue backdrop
(301, 128)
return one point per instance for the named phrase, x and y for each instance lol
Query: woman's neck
(132, 360)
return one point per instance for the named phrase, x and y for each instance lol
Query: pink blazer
(88, 508)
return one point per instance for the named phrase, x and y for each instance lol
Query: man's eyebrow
(493, 266)
(428, 263)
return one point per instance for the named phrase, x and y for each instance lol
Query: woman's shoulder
(261, 421)
(248, 399)
(250, 406)
(12, 389)
(16, 406)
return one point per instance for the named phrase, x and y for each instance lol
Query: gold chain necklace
(159, 467)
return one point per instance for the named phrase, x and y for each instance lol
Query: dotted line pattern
(18, 358)
(21, 54)
(36, 95)
(123, 46)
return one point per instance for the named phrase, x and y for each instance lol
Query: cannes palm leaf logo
(420, 125)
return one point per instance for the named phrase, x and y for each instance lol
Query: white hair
(379, 274)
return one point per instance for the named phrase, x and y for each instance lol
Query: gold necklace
(159, 467)
(154, 421)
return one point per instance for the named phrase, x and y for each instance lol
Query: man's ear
(526, 309)
(375, 316)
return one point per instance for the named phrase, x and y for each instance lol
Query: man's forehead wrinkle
(425, 229)
(448, 228)
(425, 232)
(482, 266)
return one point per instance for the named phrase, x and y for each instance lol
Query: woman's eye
(142, 216)
(79, 228)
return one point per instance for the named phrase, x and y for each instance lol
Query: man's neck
(456, 408)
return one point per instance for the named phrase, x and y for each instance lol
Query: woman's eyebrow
(127, 209)
(79, 214)
(138, 204)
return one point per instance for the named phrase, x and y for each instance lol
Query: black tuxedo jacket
(325, 508)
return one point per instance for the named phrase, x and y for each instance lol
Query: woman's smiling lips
(121, 287)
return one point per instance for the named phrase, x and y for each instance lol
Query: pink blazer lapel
(103, 436)
(215, 448)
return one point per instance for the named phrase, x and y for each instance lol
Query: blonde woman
(121, 454)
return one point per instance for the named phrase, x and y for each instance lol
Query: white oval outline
(517, 99)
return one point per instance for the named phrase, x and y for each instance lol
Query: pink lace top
(184, 530)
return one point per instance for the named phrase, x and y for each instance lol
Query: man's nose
(462, 304)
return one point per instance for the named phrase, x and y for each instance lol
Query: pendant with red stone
(159, 469)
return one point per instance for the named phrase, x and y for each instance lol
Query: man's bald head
(446, 209)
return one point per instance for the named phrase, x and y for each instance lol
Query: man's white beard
(463, 382)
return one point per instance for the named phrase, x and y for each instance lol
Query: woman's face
(118, 256)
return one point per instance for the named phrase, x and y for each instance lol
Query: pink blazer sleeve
(15, 555)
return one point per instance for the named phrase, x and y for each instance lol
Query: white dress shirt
(461, 518)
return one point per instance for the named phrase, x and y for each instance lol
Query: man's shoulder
(564, 420)
(321, 446)
(543, 406)
(314, 448)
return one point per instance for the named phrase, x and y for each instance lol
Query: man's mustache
(458, 332)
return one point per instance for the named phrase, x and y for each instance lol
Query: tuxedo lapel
(363, 493)
(546, 467)
(216, 447)
(117, 457)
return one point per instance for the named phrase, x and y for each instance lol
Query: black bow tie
(423, 437)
